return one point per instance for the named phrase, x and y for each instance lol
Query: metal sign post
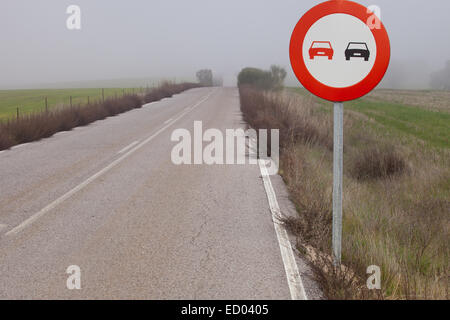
(338, 154)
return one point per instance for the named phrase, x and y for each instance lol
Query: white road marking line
(167, 121)
(290, 266)
(131, 145)
(79, 187)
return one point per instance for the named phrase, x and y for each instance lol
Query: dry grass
(167, 90)
(396, 200)
(428, 99)
(262, 111)
(377, 162)
(35, 126)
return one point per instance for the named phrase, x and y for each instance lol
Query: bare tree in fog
(218, 81)
(278, 76)
(205, 77)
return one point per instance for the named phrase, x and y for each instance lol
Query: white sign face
(339, 50)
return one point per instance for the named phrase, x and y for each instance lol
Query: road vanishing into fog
(107, 198)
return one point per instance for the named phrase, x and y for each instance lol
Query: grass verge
(38, 125)
(396, 197)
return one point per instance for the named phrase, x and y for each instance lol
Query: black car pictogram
(357, 50)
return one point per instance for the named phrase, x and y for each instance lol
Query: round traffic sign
(336, 54)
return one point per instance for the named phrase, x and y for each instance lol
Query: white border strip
(79, 187)
(131, 145)
(290, 266)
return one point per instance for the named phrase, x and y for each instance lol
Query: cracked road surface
(144, 228)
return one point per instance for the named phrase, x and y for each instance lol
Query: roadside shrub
(167, 90)
(262, 79)
(377, 162)
(256, 77)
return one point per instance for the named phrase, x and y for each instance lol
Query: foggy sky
(174, 38)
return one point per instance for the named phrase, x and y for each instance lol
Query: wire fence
(44, 104)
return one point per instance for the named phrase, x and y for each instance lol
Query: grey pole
(337, 180)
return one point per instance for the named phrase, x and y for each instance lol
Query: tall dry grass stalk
(396, 200)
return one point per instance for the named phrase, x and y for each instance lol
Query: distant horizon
(291, 81)
(156, 39)
(106, 83)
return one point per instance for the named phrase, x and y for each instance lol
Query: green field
(432, 126)
(29, 101)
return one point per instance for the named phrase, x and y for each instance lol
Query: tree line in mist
(416, 75)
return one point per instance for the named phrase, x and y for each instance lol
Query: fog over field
(147, 40)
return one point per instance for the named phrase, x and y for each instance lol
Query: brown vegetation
(395, 199)
(35, 126)
(167, 90)
(377, 162)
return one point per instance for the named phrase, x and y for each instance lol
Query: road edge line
(294, 279)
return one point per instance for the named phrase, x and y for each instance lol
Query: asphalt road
(107, 198)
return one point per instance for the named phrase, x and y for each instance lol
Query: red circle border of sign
(316, 87)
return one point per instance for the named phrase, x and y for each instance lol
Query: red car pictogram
(321, 49)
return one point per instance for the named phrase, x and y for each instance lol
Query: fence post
(103, 95)
(71, 101)
(46, 105)
(17, 113)
(88, 100)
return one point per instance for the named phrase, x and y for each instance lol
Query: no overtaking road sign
(335, 54)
